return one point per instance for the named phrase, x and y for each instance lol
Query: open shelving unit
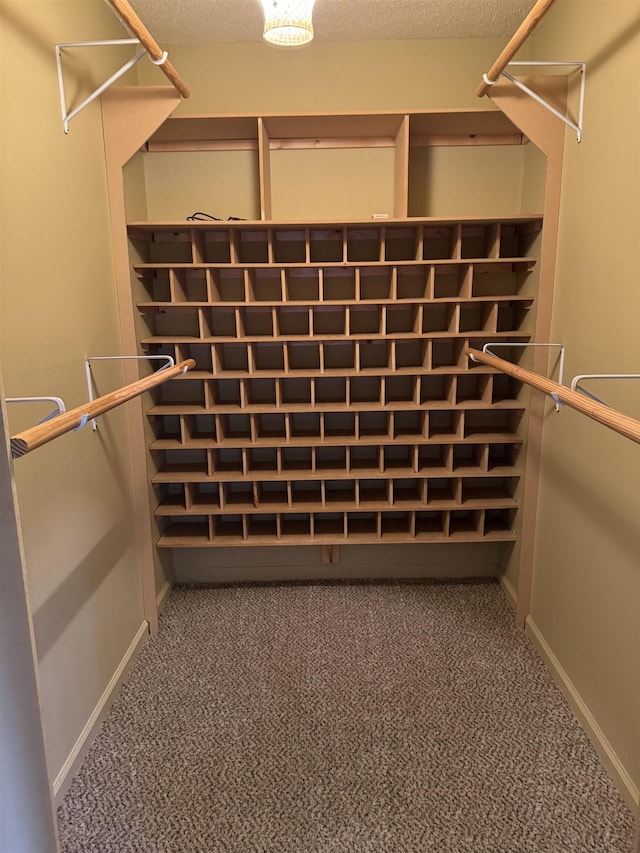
(331, 399)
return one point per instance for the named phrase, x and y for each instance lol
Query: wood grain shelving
(332, 400)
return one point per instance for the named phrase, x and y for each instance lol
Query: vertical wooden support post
(129, 116)
(264, 166)
(401, 171)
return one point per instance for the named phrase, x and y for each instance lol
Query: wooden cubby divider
(332, 400)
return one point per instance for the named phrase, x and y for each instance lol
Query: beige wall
(58, 307)
(586, 590)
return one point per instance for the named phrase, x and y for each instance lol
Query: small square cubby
(503, 455)
(469, 458)
(230, 357)
(491, 422)
(511, 316)
(398, 457)
(237, 494)
(305, 493)
(293, 322)
(295, 391)
(226, 460)
(413, 282)
(227, 528)
(448, 281)
(329, 524)
(226, 392)
(436, 389)
(363, 524)
(328, 320)
(339, 424)
(257, 322)
(252, 246)
(302, 285)
(303, 356)
(214, 247)
(165, 427)
(188, 285)
(183, 462)
(411, 353)
(373, 354)
(364, 458)
(429, 524)
(330, 459)
(205, 496)
(234, 427)
(305, 425)
(363, 244)
(268, 356)
(499, 521)
(272, 492)
(409, 423)
(445, 424)
(438, 318)
(442, 491)
(226, 285)
(438, 242)
(375, 284)
(270, 425)
(155, 284)
(339, 355)
(289, 246)
(260, 392)
(479, 240)
(330, 389)
(479, 317)
(296, 524)
(408, 491)
(373, 493)
(495, 279)
(262, 526)
(201, 353)
(169, 247)
(505, 388)
(296, 459)
(325, 245)
(516, 239)
(222, 322)
(400, 388)
(400, 244)
(338, 285)
(372, 424)
(189, 391)
(365, 320)
(465, 523)
(341, 492)
(365, 389)
(265, 285)
(171, 497)
(434, 458)
(402, 319)
(447, 353)
(199, 427)
(473, 387)
(484, 489)
(395, 525)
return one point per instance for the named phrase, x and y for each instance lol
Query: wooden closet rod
(617, 421)
(517, 39)
(40, 434)
(156, 53)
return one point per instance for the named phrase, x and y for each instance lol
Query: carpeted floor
(320, 718)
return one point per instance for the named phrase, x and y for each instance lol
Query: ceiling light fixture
(288, 22)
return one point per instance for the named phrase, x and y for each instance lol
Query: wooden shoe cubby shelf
(332, 401)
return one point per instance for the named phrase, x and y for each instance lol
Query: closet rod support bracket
(168, 359)
(487, 348)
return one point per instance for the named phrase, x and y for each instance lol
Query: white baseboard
(87, 735)
(625, 784)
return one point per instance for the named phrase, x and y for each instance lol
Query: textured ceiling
(211, 21)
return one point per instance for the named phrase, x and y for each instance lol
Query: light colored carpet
(319, 718)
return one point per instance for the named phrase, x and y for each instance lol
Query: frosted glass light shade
(288, 22)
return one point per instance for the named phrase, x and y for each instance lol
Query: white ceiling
(211, 21)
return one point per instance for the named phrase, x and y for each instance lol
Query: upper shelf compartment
(323, 165)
